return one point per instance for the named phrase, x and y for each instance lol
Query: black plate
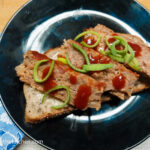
(43, 25)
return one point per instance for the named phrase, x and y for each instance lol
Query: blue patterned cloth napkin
(10, 135)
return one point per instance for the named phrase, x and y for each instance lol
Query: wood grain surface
(9, 7)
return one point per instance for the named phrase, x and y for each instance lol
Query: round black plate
(41, 25)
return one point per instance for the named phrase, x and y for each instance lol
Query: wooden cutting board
(9, 7)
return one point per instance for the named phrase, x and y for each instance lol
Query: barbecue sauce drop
(82, 97)
(118, 47)
(111, 40)
(73, 79)
(119, 82)
(136, 48)
(49, 83)
(99, 59)
(39, 56)
(89, 40)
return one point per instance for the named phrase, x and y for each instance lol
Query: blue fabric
(10, 135)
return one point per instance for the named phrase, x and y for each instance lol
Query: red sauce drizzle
(89, 40)
(136, 48)
(118, 47)
(38, 56)
(73, 79)
(48, 84)
(82, 97)
(111, 40)
(99, 59)
(119, 82)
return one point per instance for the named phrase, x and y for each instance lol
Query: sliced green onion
(35, 70)
(89, 32)
(102, 52)
(107, 43)
(58, 88)
(122, 42)
(123, 56)
(97, 67)
(133, 65)
(83, 52)
(113, 47)
(63, 60)
(108, 52)
(131, 54)
(73, 67)
(119, 59)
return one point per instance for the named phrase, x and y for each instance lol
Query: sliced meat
(85, 93)
(142, 84)
(142, 51)
(105, 76)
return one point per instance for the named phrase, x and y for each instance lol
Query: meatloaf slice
(105, 76)
(135, 42)
(85, 91)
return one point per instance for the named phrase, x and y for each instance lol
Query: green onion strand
(35, 70)
(134, 63)
(119, 59)
(89, 32)
(73, 67)
(107, 43)
(55, 89)
(123, 56)
(97, 67)
(77, 47)
(102, 52)
(131, 54)
(122, 42)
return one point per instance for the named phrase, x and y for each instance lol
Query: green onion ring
(122, 42)
(133, 65)
(102, 52)
(119, 59)
(89, 32)
(73, 67)
(107, 43)
(113, 47)
(35, 76)
(82, 51)
(131, 54)
(124, 56)
(97, 67)
(58, 88)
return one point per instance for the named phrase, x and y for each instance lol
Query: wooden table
(9, 7)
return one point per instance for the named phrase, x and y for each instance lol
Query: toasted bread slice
(36, 112)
